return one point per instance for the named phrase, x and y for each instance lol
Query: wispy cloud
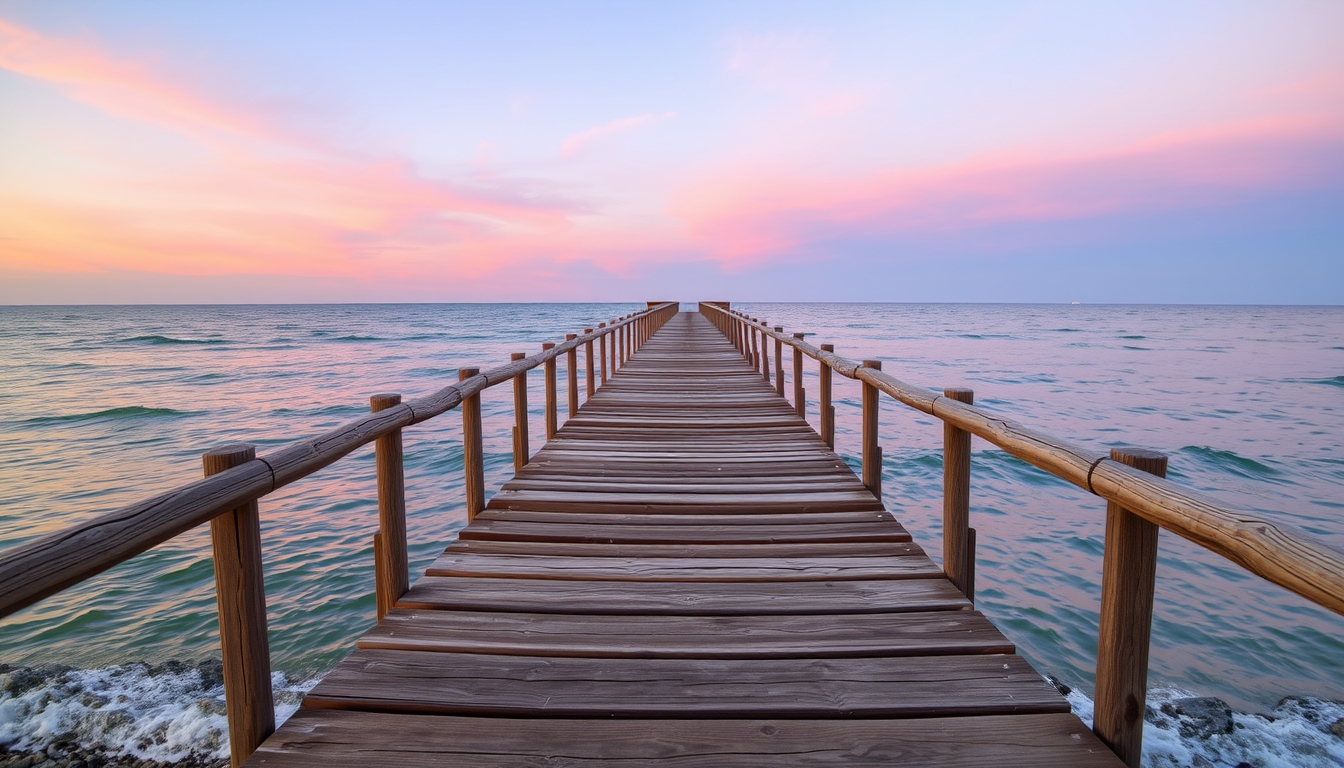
(585, 140)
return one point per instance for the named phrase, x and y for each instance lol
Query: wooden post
(1128, 572)
(765, 356)
(572, 371)
(755, 350)
(552, 407)
(872, 452)
(779, 363)
(614, 337)
(240, 594)
(588, 356)
(958, 562)
(520, 451)
(473, 454)
(602, 352)
(389, 550)
(799, 394)
(824, 398)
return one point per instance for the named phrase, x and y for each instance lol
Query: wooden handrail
(1280, 553)
(41, 568)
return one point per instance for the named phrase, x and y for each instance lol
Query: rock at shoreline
(1200, 716)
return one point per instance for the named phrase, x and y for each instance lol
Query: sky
(1145, 152)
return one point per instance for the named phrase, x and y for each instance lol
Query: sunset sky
(171, 152)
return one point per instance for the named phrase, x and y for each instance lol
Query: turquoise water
(103, 406)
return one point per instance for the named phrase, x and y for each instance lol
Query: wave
(1337, 381)
(353, 337)
(1183, 729)
(169, 712)
(156, 339)
(125, 412)
(1228, 461)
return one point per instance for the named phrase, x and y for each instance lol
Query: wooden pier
(686, 574)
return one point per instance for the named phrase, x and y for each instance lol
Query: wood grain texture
(958, 563)
(240, 594)
(1129, 569)
(390, 559)
(340, 739)
(940, 633)
(456, 683)
(837, 598)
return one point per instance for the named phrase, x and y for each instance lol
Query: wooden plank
(504, 530)
(940, 633)
(684, 569)
(456, 683)
(673, 518)
(653, 598)
(732, 551)
(338, 739)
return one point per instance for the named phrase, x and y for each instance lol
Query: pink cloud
(584, 140)
(258, 199)
(746, 214)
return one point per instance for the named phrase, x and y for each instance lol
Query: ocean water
(103, 406)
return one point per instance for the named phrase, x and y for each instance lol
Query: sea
(102, 406)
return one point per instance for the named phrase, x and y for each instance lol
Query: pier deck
(686, 575)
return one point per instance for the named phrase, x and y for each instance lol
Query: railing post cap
(601, 325)
(779, 329)
(383, 401)
(799, 335)
(876, 364)
(1153, 462)
(224, 457)
(517, 355)
(548, 345)
(233, 449)
(466, 373)
(827, 347)
(587, 330)
(960, 394)
(571, 336)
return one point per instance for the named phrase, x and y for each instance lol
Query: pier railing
(1139, 502)
(236, 478)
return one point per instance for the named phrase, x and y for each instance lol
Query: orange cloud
(251, 197)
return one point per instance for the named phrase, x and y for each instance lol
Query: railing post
(779, 363)
(872, 452)
(799, 394)
(240, 594)
(389, 544)
(552, 407)
(520, 451)
(473, 453)
(614, 336)
(765, 355)
(572, 371)
(755, 358)
(824, 398)
(588, 358)
(958, 557)
(602, 352)
(1128, 572)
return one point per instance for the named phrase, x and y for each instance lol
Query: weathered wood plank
(455, 683)
(687, 569)
(337, 739)
(653, 598)
(940, 633)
